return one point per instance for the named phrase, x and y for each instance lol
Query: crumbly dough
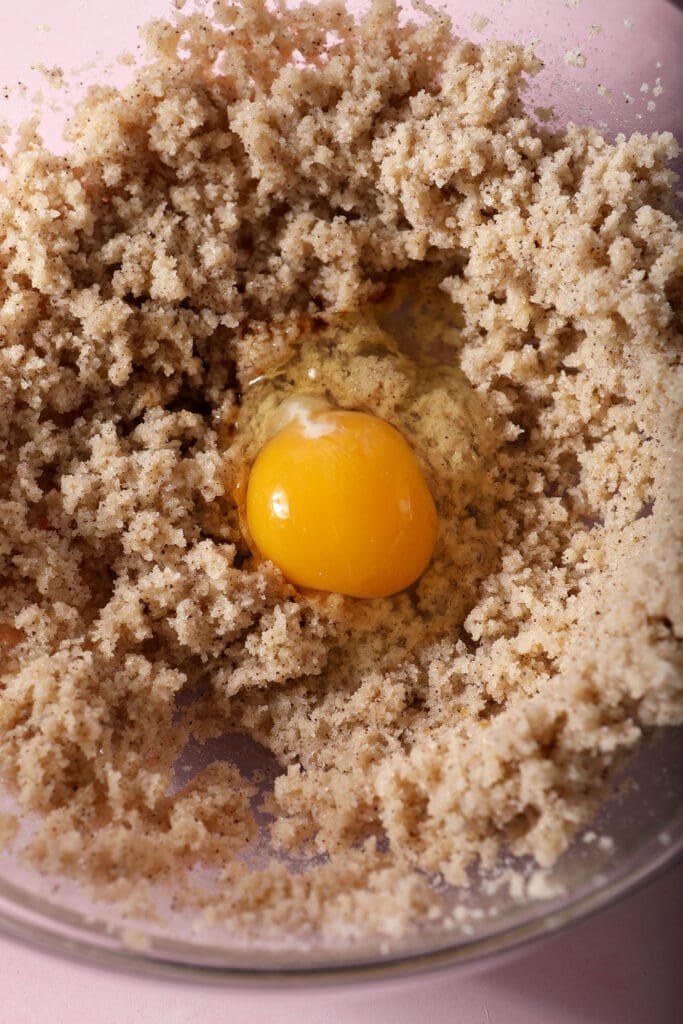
(282, 172)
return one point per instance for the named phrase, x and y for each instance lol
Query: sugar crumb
(9, 829)
(575, 58)
(541, 886)
(544, 114)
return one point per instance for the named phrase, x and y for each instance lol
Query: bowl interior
(640, 827)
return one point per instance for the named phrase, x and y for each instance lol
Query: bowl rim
(35, 928)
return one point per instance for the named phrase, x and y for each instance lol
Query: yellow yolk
(337, 500)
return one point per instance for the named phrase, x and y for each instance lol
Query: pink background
(622, 967)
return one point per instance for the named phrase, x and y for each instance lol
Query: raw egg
(357, 451)
(338, 501)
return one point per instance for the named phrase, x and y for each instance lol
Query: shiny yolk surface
(337, 500)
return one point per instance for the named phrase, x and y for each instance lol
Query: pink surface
(622, 967)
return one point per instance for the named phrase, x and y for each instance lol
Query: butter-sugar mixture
(254, 201)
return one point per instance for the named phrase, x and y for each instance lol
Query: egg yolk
(337, 500)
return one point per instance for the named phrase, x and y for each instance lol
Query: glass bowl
(639, 830)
